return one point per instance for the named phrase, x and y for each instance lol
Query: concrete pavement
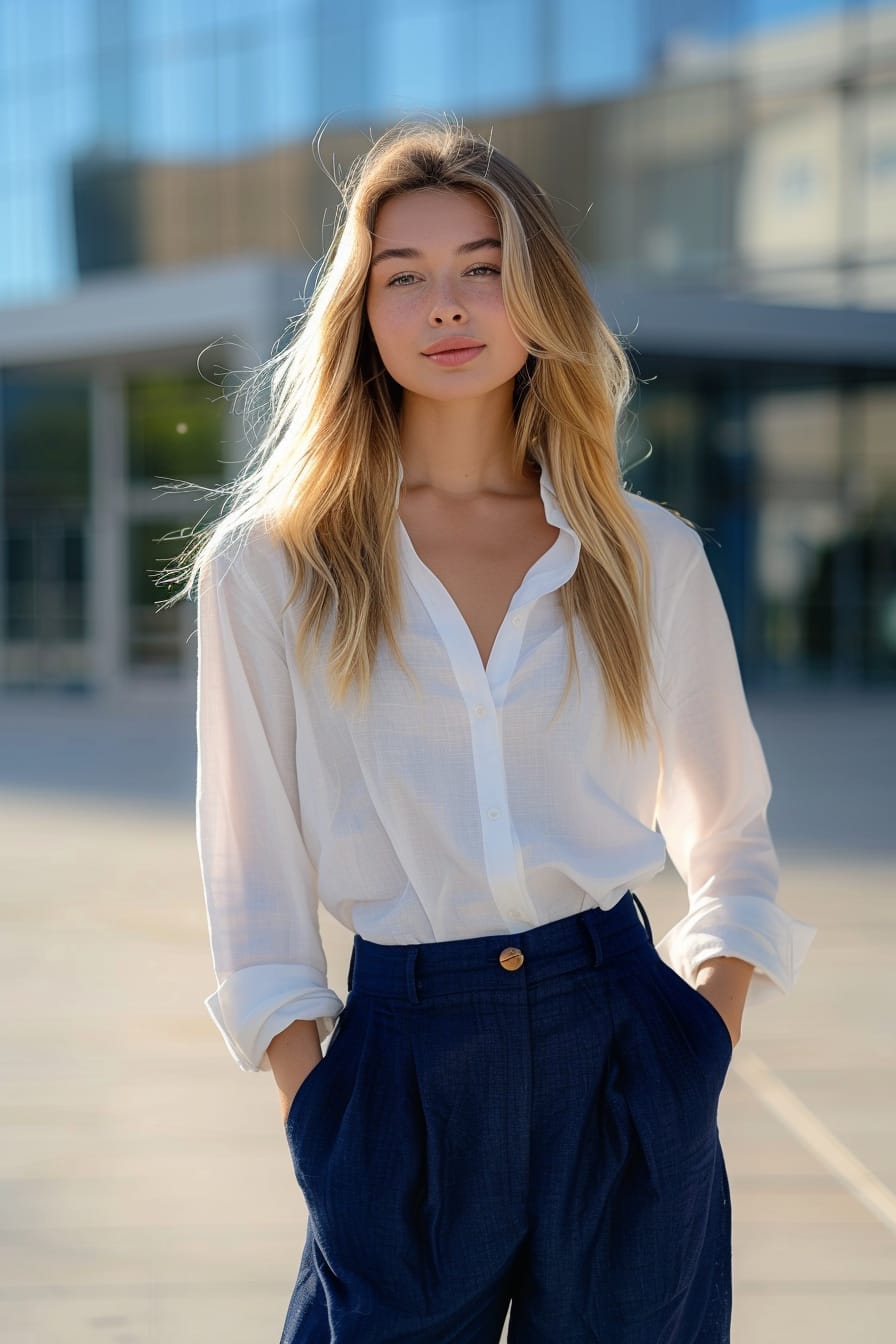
(147, 1191)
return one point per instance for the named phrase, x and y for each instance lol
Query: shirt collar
(552, 509)
(565, 551)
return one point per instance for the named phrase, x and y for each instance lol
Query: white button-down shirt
(468, 808)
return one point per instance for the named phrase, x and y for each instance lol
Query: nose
(446, 307)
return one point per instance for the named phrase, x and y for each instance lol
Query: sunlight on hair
(323, 477)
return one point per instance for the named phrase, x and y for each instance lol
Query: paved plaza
(147, 1191)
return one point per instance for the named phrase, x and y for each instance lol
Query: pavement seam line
(805, 1125)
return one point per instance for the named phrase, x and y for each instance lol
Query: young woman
(452, 675)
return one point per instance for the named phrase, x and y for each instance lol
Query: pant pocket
(413, 1185)
(361, 1165)
(317, 1089)
(659, 1149)
(702, 1024)
(673, 1051)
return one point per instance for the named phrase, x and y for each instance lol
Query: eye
(398, 280)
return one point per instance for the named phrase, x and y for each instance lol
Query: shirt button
(516, 620)
(494, 813)
(516, 914)
(480, 710)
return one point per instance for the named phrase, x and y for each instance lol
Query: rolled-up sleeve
(713, 797)
(259, 884)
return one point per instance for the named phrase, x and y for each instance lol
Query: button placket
(488, 767)
(505, 653)
(484, 690)
(498, 840)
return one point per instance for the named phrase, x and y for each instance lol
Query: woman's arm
(293, 1054)
(725, 981)
(735, 943)
(259, 880)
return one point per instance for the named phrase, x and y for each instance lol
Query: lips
(453, 343)
(463, 355)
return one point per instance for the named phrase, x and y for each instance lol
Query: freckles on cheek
(394, 302)
(395, 321)
(383, 312)
(494, 301)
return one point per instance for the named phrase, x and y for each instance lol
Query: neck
(460, 448)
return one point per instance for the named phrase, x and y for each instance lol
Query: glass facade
(791, 477)
(725, 148)
(44, 426)
(175, 432)
(61, 522)
(174, 429)
(754, 141)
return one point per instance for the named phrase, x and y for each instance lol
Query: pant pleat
(544, 1138)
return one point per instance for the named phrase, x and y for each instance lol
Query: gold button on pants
(511, 958)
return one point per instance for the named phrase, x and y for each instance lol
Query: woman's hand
(725, 981)
(293, 1053)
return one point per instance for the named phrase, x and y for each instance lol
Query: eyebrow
(410, 253)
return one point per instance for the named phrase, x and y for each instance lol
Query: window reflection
(175, 428)
(45, 499)
(176, 431)
(156, 639)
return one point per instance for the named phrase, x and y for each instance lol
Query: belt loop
(595, 938)
(351, 966)
(644, 919)
(410, 966)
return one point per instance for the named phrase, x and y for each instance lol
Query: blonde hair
(325, 474)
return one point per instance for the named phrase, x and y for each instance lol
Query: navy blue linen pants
(525, 1120)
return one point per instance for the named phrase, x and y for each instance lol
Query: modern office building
(726, 171)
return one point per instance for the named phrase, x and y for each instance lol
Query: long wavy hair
(324, 475)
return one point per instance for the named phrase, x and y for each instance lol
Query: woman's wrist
(725, 981)
(293, 1053)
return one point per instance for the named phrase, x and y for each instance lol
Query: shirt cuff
(752, 928)
(251, 1006)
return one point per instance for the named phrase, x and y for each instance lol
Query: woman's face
(441, 289)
